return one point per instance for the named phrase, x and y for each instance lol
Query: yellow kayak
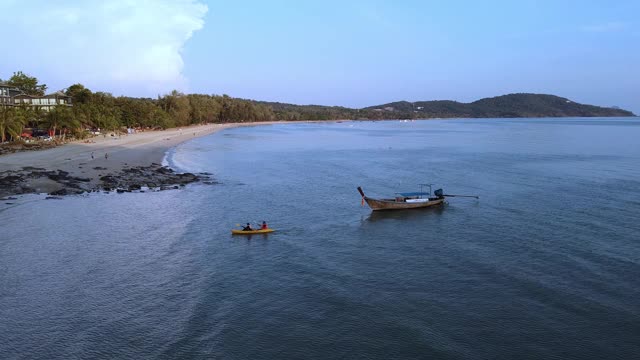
(250, 232)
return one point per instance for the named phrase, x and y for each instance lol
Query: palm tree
(60, 118)
(11, 123)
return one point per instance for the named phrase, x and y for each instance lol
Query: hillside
(506, 106)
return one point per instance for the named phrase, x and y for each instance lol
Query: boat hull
(392, 204)
(251, 232)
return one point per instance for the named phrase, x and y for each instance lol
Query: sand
(125, 151)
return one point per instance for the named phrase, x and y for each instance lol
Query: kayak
(250, 232)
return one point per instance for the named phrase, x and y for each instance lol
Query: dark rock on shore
(20, 146)
(126, 180)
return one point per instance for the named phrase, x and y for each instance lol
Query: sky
(350, 53)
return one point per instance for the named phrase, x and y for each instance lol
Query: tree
(27, 84)
(61, 118)
(79, 94)
(11, 123)
(177, 106)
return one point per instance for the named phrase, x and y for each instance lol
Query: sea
(544, 265)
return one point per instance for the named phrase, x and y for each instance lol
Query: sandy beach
(101, 156)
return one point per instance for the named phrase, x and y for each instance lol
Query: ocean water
(546, 265)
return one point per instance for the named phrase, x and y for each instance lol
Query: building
(7, 93)
(11, 96)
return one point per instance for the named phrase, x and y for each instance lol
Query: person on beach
(264, 226)
(92, 155)
(106, 156)
(247, 228)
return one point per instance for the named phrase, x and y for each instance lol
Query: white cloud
(130, 47)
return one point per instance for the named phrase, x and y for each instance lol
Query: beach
(129, 160)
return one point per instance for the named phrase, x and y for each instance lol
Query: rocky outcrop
(60, 183)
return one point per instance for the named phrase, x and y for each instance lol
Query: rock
(109, 179)
(164, 170)
(62, 191)
(11, 178)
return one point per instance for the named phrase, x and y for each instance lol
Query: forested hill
(506, 106)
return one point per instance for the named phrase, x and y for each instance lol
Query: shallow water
(545, 265)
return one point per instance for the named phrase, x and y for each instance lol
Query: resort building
(11, 96)
(7, 93)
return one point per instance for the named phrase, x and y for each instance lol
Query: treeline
(176, 109)
(107, 112)
(100, 110)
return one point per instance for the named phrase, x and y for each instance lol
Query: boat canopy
(409, 194)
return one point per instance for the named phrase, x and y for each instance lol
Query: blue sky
(352, 53)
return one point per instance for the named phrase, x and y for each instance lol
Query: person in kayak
(247, 228)
(264, 226)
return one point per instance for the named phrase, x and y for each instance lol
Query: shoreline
(134, 162)
(124, 163)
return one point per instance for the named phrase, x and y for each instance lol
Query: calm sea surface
(546, 265)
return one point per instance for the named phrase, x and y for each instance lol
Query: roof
(57, 93)
(408, 194)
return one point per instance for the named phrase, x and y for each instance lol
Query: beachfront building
(7, 93)
(11, 96)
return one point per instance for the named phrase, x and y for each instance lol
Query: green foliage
(108, 113)
(61, 120)
(79, 94)
(27, 84)
(12, 121)
(506, 106)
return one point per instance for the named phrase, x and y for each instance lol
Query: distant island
(506, 106)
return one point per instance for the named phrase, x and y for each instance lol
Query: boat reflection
(252, 236)
(404, 214)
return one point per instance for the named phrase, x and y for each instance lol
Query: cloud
(130, 47)
(613, 26)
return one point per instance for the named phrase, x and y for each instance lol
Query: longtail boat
(408, 200)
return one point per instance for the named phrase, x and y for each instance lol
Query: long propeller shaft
(471, 196)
